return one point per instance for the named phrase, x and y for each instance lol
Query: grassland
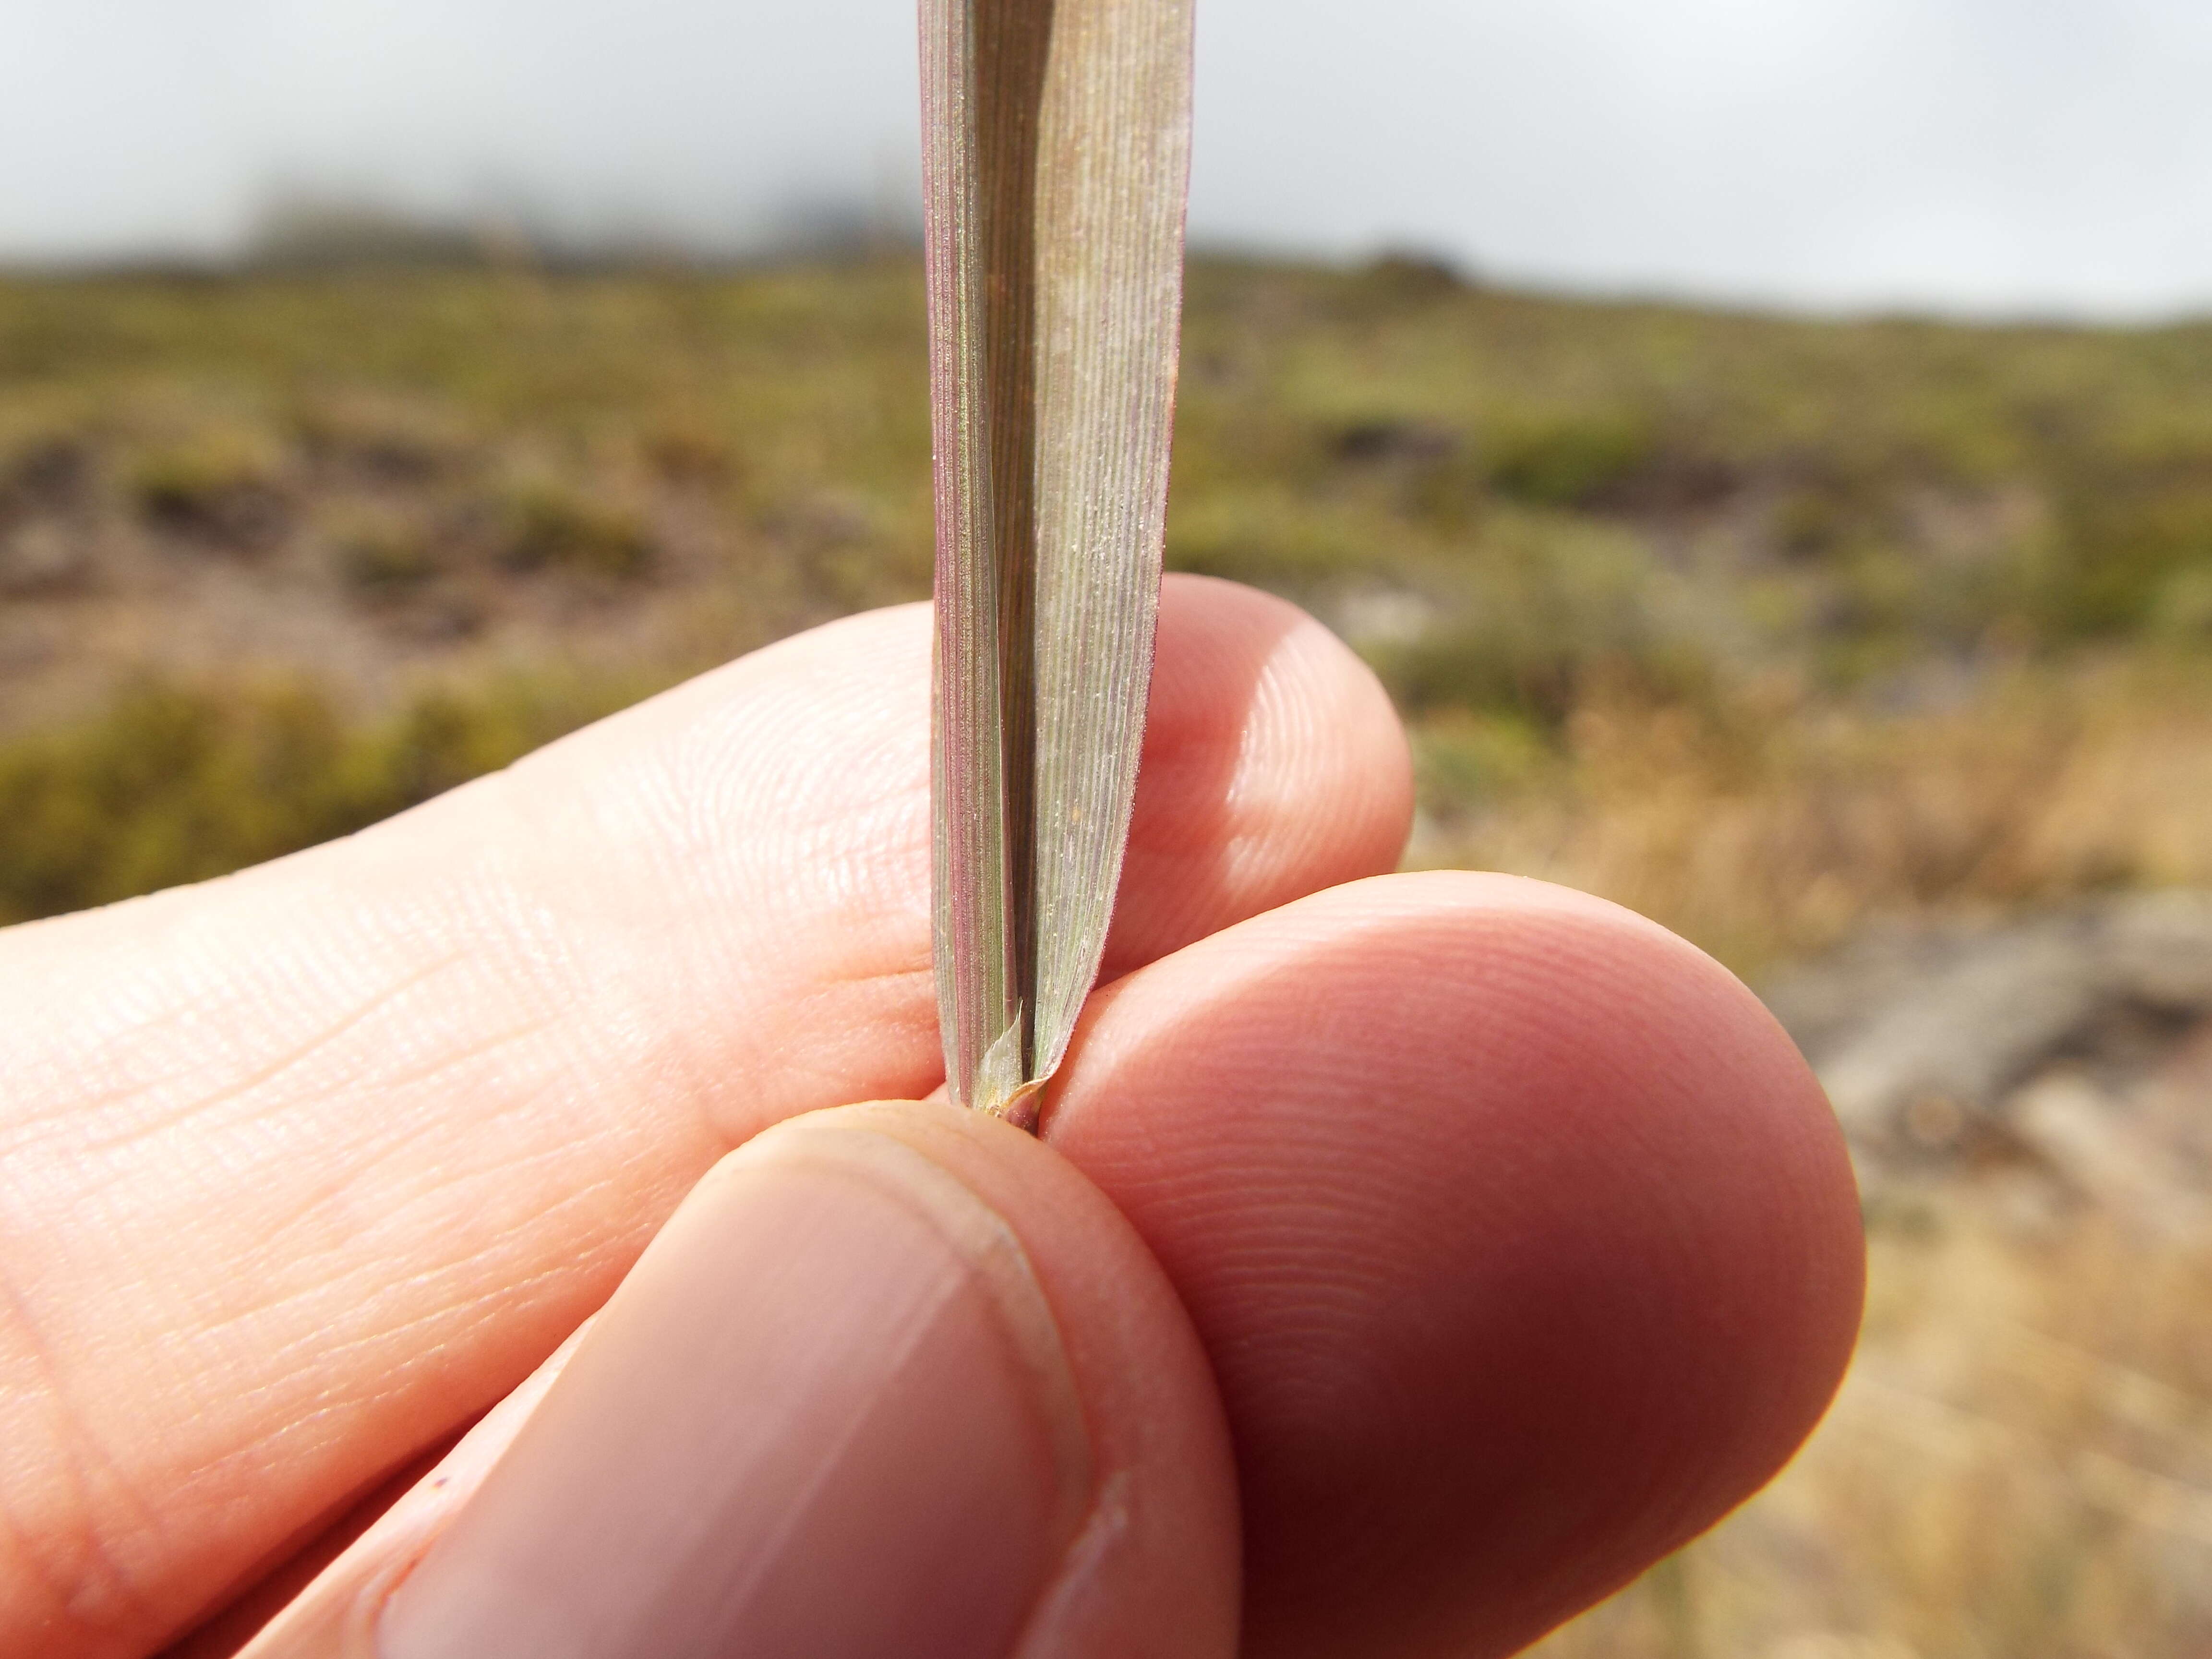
(1847, 616)
(1765, 627)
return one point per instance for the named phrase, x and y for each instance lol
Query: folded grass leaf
(1056, 151)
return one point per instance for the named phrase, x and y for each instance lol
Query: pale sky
(1978, 155)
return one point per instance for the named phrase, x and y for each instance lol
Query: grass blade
(1056, 148)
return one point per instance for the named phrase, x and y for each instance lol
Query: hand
(1404, 1265)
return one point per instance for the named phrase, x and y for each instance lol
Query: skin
(1497, 1240)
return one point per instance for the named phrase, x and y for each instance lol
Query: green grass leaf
(1056, 151)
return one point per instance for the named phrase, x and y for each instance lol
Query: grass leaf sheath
(1056, 141)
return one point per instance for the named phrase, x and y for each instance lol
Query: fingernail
(827, 1415)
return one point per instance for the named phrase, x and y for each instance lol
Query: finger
(312, 1604)
(300, 1169)
(1521, 1240)
(894, 1380)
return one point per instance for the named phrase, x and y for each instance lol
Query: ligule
(1055, 154)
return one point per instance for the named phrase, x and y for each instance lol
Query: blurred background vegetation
(1770, 628)
(1764, 625)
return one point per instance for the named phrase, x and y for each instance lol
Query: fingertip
(1521, 1238)
(1274, 765)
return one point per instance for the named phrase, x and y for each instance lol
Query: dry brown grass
(2020, 1464)
(1778, 825)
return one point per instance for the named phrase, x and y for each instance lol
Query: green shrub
(385, 556)
(2123, 550)
(1463, 761)
(220, 486)
(1538, 610)
(547, 525)
(1569, 461)
(1269, 540)
(171, 783)
(391, 440)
